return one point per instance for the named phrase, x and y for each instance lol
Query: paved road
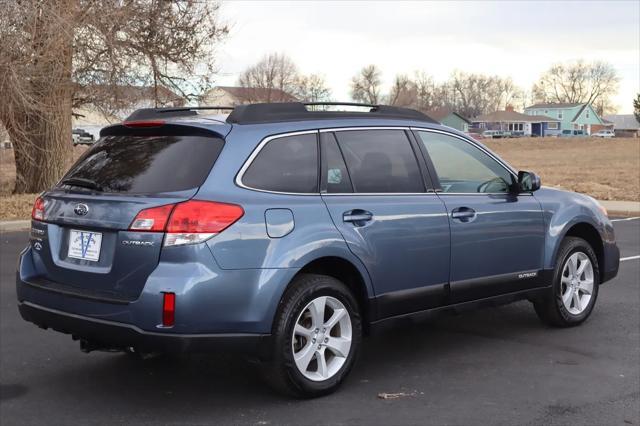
(496, 366)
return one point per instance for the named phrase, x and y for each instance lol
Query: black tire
(280, 369)
(550, 309)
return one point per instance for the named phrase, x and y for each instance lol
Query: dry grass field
(604, 169)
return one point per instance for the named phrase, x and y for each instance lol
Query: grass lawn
(607, 169)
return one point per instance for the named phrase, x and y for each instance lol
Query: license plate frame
(84, 245)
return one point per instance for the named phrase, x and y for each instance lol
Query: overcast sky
(517, 39)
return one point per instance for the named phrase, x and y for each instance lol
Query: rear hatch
(86, 245)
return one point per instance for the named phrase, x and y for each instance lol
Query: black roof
(288, 111)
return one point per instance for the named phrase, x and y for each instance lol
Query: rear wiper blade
(81, 182)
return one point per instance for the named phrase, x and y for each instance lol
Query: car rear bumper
(209, 300)
(102, 334)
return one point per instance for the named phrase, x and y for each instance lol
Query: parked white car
(604, 134)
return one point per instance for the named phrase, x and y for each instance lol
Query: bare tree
(312, 88)
(579, 82)
(62, 54)
(270, 80)
(403, 92)
(475, 94)
(366, 85)
(429, 95)
(467, 94)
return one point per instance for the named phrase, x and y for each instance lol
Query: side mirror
(528, 181)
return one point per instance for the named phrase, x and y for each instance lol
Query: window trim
(435, 183)
(256, 151)
(436, 179)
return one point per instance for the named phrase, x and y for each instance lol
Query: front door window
(463, 168)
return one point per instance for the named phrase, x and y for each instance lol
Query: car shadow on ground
(227, 381)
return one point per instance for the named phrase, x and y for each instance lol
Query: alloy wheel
(322, 338)
(576, 283)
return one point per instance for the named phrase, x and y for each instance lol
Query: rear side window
(147, 164)
(286, 164)
(380, 161)
(335, 177)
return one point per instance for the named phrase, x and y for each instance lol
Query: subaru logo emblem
(81, 209)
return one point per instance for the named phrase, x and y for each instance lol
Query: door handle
(463, 214)
(357, 216)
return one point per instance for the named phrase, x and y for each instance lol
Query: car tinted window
(463, 168)
(286, 164)
(147, 164)
(335, 176)
(380, 161)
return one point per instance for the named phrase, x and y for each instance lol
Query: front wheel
(575, 285)
(316, 337)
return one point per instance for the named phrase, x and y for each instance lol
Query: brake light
(189, 222)
(144, 123)
(203, 216)
(168, 309)
(195, 221)
(37, 213)
(152, 220)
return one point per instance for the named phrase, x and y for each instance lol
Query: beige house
(230, 96)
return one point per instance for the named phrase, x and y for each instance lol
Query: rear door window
(146, 164)
(286, 164)
(335, 176)
(380, 161)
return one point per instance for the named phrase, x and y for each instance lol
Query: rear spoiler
(161, 128)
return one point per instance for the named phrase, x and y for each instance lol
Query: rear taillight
(189, 222)
(168, 309)
(153, 219)
(195, 221)
(37, 213)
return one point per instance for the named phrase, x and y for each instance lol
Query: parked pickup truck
(81, 137)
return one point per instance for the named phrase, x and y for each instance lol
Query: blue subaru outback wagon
(287, 231)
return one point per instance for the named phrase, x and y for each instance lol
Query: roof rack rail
(298, 111)
(286, 111)
(159, 113)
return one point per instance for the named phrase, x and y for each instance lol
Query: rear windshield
(145, 164)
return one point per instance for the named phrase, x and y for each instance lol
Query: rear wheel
(575, 285)
(316, 337)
